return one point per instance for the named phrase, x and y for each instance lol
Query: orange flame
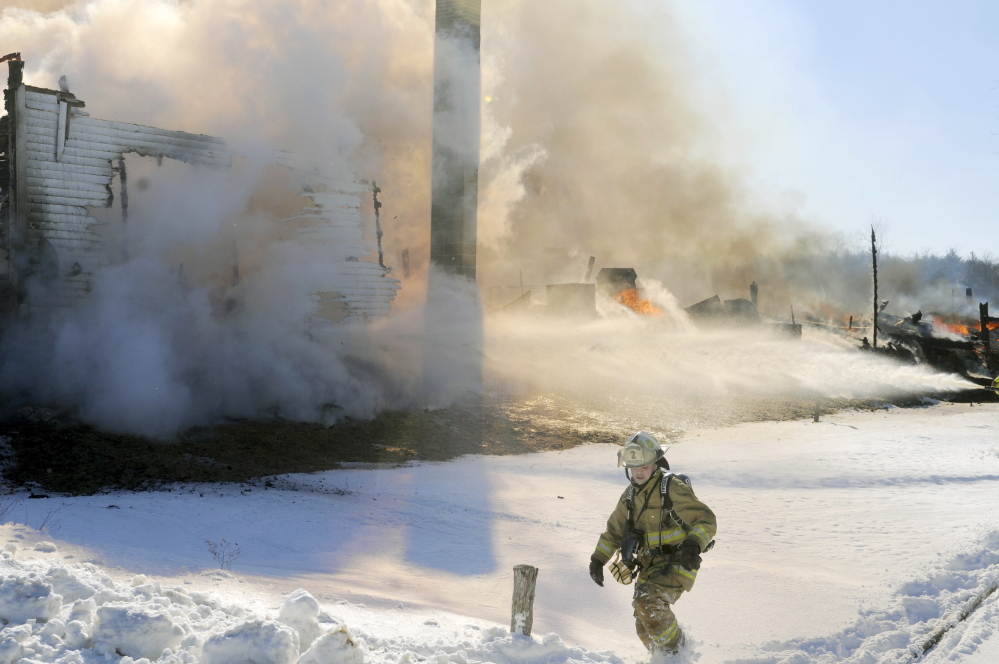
(629, 298)
(941, 325)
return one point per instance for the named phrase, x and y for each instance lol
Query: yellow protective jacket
(659, 529)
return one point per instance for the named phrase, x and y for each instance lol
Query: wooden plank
(73, 171)
(38, 125)
(338, 233)
(55, 225)
(46, 208)
(43, 106)
(78, 148)
(31, 92)
(80, 201)
(334, 199)
(41, 132)
(143, 129)
(66, 233)
(77, 151)
(73, 219)
(120, 137)
(358, 267)
(39, 177)
(67, 240)
(49, 158)
(46, 184)
(40, 143)
(53, 188)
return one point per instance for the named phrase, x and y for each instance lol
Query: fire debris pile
(579, 300)
(620, 285)
(741, 313)
(57, 162)
(956, 345)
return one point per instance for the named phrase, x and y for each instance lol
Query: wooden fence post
(522, 614)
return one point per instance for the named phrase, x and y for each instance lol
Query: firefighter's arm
(610, 540)
(694, 513)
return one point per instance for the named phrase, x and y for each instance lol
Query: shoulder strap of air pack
(631, 505)
(667, 502)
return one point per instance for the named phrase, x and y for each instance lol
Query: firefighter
(661, 528)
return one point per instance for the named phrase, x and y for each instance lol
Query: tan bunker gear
(662, 577)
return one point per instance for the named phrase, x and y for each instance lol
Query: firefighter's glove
(689, 555)
(597, 572)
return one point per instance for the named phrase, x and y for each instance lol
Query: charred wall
(57, 162)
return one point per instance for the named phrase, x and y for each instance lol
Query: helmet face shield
(642, 449)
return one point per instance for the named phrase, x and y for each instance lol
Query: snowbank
(77, 614)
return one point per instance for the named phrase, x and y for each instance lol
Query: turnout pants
(654, 620)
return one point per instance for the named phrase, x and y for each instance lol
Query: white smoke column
(166, 340)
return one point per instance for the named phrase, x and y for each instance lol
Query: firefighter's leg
(654, 620)
(643, 634)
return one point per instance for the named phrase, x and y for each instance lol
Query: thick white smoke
(170, 336)
(594, 143)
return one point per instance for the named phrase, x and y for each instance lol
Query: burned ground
(77, 459)
(50, 452)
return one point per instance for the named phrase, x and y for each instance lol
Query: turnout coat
(661, 534)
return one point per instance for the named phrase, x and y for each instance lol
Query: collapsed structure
(57, 162)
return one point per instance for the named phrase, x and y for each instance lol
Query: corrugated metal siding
(67, 173)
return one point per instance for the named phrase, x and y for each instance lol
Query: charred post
(522, 612)
(123, 176)
(985, 334)
(874, 260)
(123, 179)
(13, 181)
(983, 315)
(375, 190)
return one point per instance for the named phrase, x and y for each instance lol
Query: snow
(857, 539)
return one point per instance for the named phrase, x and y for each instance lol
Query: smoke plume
(596, 142)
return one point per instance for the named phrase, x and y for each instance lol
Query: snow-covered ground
(851, 539)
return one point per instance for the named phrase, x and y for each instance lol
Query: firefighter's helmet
(642, 449)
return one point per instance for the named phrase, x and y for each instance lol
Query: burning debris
(956, 346)
(621, 285)
(713, 310)
(741, 313)
(579, 300)
(57, 171)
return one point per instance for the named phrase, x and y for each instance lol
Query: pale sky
(862, 109)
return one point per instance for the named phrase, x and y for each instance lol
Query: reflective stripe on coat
(659, 529)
